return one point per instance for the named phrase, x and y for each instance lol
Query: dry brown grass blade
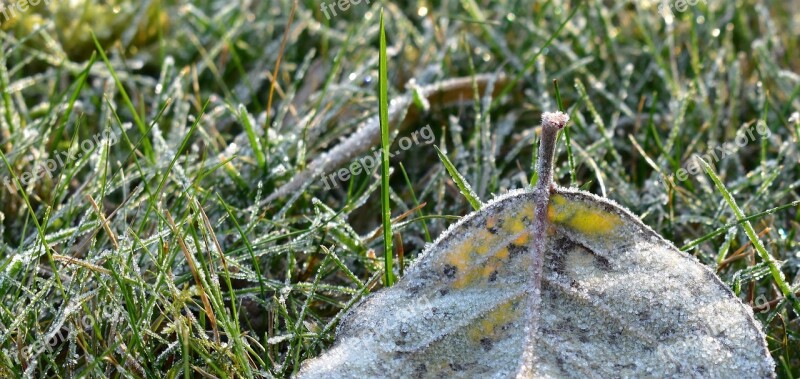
(278, 62)
(110, 233)
(377, 233)
(81, 263)
(213, 236)
(88, 239)
(206, 304)
(738, 254)
(398, 244)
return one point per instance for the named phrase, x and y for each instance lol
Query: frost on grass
(616, 300)
(451, 91)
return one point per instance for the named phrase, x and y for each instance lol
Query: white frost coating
(557, 119)
(625, 303)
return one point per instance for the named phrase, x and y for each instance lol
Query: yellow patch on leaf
(480, 272)
(493, 322)
(516, 223)
(459, 257)
(482, 235)
(582, 218)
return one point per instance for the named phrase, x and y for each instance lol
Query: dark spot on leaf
(456, 367)
(493, 276)
(602, 263)
(666, 333)
(625, 366)
(514, 249)
(564, 242)
(402, 340)
(450, 271)
(556, 262)
(486, 344)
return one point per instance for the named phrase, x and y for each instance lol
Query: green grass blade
(777, 275)
(383, 104)
(532, 61)
(71, 105)
(462, 184)
(416, 203)
(722, 229)
(253, 138)
(567, 139)
(148, 150)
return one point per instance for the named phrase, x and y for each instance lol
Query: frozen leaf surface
(587, 290)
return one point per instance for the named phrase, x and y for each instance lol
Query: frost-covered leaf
(549, 282)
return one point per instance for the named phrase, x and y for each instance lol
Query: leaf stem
(551, 124)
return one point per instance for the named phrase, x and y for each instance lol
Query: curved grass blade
(751, 233)
(462, 184)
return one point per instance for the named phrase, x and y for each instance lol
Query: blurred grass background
(163, 243)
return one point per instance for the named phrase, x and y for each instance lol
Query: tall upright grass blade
(383, 105)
